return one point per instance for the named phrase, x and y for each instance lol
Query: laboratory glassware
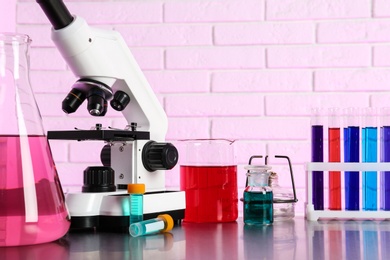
(334, 152)
(317, 155)
(208, 175)
(258, 196)
(351, 154)
(32, 206)
(369, 154)
(284, 199)
(163, 223)
(136, 199)
(385, 157)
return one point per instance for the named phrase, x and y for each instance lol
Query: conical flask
(32, 205)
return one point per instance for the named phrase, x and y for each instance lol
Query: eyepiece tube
(57, 13)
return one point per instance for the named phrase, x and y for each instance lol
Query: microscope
(107, 72)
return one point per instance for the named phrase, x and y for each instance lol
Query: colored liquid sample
(317, 155)
(334, 176)
(369, 178)
(385, 176)
(351, 152)
(211, 193)
(52, 220)
(136, 208)
(162, 223)
(258, 208)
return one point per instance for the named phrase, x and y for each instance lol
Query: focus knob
(99, 179)
(159, 156)
(105, 155)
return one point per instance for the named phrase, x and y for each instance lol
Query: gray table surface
(294, 239)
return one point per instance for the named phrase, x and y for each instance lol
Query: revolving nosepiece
(95, 92)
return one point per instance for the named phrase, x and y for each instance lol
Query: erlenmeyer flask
(32, 205)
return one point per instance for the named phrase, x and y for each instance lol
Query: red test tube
(334, 149)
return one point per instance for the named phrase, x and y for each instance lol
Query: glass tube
(163, 223)
(369, 154)
(351, 154)
(317, 155)
(334, 151)
(385, 157)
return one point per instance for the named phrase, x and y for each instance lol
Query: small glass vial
(136, 200)
(284, 205)
(258, 196)
(163, 223)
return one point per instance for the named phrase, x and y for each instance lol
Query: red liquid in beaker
(211, 193)
(28, 180)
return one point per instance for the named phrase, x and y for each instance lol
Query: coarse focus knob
(99, 179)
(159, 156)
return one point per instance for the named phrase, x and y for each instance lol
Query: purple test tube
(317, 155)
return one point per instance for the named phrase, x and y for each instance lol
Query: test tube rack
(314, 215)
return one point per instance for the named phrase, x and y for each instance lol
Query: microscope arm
(101, 59)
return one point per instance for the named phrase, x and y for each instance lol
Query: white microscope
(108, 71)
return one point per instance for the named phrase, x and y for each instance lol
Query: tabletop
(293, 239)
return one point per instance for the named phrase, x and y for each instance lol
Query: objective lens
(72, 101)
(95, 105)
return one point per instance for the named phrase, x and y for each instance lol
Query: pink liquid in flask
(32, 205)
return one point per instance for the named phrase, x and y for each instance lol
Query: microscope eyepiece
(73, 100)
(57, 13)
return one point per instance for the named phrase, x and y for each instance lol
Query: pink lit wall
(246, 70)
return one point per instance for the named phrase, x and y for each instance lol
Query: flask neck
(14, 47)
(19, 112)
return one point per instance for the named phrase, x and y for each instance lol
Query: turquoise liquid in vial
(258, 208)
(370, 154)
(162, 223)
(136, 208)
(136, 202)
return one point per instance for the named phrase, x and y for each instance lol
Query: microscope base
(109, 211)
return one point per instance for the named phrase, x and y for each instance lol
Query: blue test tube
(351, 154)
(385, 157)
(317, 155)
(369, 154)
(136, 200)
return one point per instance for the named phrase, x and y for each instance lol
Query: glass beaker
(208, 175)
(32, 205)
